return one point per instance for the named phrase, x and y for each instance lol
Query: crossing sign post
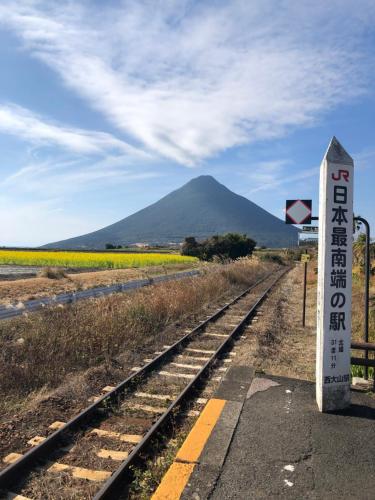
(305, 258)
(298, 212)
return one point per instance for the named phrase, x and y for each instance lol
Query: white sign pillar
(334, 279)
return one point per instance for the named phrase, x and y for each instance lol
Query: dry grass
(358, 308)
(277, 343)
(358, 300)
(41, 349)
(30, 288)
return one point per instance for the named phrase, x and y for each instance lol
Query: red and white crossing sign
(298, 212)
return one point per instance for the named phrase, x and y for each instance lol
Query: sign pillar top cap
(337, 154)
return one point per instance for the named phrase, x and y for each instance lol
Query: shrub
(272, 257)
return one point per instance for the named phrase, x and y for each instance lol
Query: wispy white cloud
(266, 176)
(56, 177)
(365, 159)
(190, 79)
(31, 127)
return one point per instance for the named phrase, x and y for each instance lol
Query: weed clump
(52, 273)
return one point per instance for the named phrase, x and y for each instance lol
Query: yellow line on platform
(177, 476)
(173, 483)
(194, 443)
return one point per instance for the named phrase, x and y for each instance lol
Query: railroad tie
(147, 408)
(160, 411)
(108, 388)
(161, 397)
(77, 472)
(93, 399)
(80, 472)
(191, 367)
(102, 453)
(127, 438)
(220, 335)
(36, 440)
(191, 413)
(15, 496)
(112, 454)
(165, 397)
(200, 351)
(12, 457)
(56, 425)
(201, 401)
(194, 358)
(177, 375)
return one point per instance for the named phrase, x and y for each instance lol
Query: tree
(227, 246)
(109, 246)
(191, 247)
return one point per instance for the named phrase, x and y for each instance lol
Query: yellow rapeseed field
(90, 259)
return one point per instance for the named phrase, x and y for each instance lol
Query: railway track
(91, 456)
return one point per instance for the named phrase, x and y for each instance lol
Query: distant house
(140, 245)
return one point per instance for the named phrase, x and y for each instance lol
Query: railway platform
(263, 437)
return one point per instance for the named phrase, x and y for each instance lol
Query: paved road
(65, 298)
(14, 272)
(284, 448)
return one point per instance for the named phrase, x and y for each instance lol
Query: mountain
(201, 208)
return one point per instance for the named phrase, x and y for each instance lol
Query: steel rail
(111, 488)
(27, 462)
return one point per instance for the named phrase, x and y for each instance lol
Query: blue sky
(107, 106)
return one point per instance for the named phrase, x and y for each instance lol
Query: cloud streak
(272, 174)
(59, 176)
(22, 123)
(189, 80)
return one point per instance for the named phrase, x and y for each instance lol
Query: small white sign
(334, 279)
(298, 212)
(310, 229)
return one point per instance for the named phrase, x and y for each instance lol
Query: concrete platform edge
(233, 388)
